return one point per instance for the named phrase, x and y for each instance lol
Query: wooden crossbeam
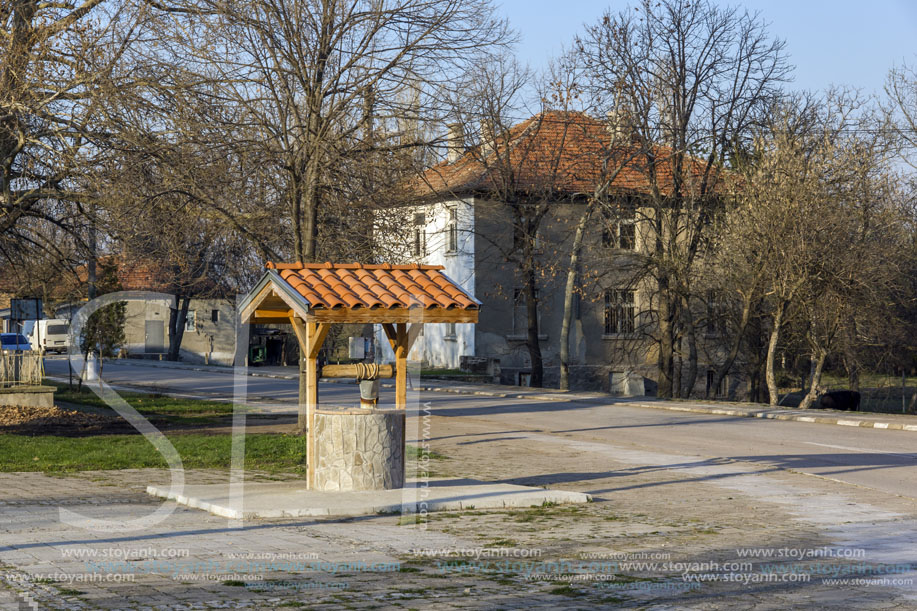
(413, 332)
(394, 315)
(353, 371)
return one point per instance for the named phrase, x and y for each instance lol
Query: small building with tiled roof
(455, 215)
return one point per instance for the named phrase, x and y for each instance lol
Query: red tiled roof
(354, 285)
(150, 275)
(552, 151)
(132, 275)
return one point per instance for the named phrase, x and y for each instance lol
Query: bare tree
(309, 77)
(901, 109)
(59, 63)
(812, 229)
(694, 77)
(512, 174)
(613, 153)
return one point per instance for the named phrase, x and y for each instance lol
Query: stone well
(358, 449)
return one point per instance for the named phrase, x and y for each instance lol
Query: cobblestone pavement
(666, 532)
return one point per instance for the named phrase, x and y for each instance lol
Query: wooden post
(311, 336)
(401, 366)
(299, 328)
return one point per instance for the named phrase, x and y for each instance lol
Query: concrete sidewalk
(899, 422)
(292, 500)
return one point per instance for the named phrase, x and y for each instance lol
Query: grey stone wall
(359, 449)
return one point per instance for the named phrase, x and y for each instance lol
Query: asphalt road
(883, 460)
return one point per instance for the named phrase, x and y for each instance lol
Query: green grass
(417, 453)
(565, 590)
(50, 454)
(142, 402)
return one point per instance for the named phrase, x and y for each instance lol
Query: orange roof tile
(556, 151)
(355, 285)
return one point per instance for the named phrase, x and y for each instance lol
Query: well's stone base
(27, 396)
(359, 449)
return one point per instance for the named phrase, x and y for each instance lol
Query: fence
(21, 369)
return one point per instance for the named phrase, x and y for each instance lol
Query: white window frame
(452, 241)
(613, 229)
(419, 237)
(191, 321)
(620, 313)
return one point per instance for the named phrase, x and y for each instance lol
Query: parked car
(14, 341)
(52, 335)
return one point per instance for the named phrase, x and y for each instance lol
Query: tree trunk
(666, 358)
(531, 309)
(816, 379)
(568, 296)
(689, 378)
(310, 218)
(677, 365)
(296, 213)
(177, 318)
(726, 365)
(771, 355)
(851, 363)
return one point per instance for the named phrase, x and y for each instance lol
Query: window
(521, 315)
(190, 321)
(619, 311)
(452, 230)
(419, 245)
(538, 246)
(721, 388)
(450, 330)
(619, 230)
(214, 316)
(715, 312)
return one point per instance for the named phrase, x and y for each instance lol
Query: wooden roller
(360, 371)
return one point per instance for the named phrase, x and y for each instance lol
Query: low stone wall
(27, 396)
(359, 449)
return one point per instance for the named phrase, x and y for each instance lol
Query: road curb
(847, 419)
(771, 414)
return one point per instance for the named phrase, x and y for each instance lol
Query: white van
(52, 335)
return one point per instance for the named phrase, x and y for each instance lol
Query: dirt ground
(73, 420)
(596, 555)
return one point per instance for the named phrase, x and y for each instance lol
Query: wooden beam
(299, 328)
(413, 332)
(287, 313)
(263, 294)
(390, 333)
(318, 338)
(312, 340)
(352, 371)
(393, 316)
(282, 320)
(401, 366)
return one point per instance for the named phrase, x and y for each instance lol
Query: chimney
(617, 125)
(455, 142)
(487, 136)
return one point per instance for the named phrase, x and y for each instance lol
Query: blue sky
(842, 42)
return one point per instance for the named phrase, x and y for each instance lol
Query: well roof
(356, 285)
